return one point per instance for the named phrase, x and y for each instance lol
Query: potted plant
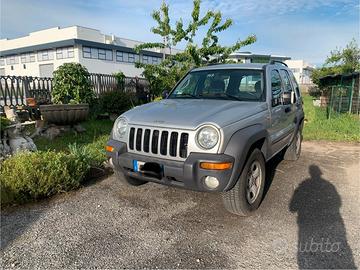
(71, 95)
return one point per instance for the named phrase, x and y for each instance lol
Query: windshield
(231, 84)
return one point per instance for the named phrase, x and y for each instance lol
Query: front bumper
(186, 174)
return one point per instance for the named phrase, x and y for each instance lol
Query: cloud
(306, 29)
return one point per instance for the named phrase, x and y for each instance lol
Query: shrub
(92, 154)
(120, 78)
(116, 101)
(72, 85)
(4, 122)
(33, 175)
(314, 91)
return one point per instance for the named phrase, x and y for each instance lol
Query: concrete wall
(301, 70)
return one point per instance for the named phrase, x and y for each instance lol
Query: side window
(297, 89)
(275, 88)
(288, 89)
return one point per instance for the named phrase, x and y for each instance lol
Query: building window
(67, 52)
(102, 54)
(27, 57)
(145, 59)
(86, 52)
(12, 67)
(119, 56)
(24, 66)
(109, 55)
(94, 53)
(131, 58)
(45, 55)
(11, 60)
(2, 62)
(97, 53)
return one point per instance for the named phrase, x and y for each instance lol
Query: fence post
(351, 94)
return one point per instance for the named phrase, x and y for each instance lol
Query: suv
(213, 132)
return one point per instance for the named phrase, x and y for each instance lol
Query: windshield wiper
(233, 97)
(186, 95)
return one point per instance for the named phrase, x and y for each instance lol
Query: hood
(191, 113)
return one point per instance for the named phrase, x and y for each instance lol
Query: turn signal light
(109, 148)
(215, 166)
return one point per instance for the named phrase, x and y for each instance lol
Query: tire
(129, 180)
(293, 151)
(238, 200)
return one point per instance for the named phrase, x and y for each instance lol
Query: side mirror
(165, 94)
(287, 98)
(292, 97)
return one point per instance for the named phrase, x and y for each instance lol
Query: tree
(174, 66)
(340, 61)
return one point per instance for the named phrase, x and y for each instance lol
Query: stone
(21, 144)
(79, 128)
(11, 114)
(52, 132)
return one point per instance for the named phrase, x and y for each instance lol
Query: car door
(289, 105)
(277, 112)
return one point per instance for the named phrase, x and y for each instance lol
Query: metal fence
(343, 99)
(14, 90)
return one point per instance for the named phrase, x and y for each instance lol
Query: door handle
(288, 109)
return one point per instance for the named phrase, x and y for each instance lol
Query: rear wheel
(293, 151)
(246, 195)
(129, 180)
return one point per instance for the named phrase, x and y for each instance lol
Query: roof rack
(273, 62)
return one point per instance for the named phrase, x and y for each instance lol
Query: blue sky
(302, 29)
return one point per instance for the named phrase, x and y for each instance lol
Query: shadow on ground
(322, 242)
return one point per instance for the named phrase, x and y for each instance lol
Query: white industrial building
(249, 57)
(302, 70)
(41, 52)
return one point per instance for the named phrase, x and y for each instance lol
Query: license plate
(138, 165)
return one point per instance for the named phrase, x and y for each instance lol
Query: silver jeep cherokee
(213, 132)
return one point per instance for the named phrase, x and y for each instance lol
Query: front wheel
(245, 197)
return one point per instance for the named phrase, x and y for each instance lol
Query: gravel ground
(309, 218)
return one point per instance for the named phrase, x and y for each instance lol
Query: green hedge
(30, 176)
(116, 101)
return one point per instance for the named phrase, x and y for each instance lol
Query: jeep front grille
(159, 142)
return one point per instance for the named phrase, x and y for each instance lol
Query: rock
(52, 132)
(21, 144)
(79, 128)
(11, 114)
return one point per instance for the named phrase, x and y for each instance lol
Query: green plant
(92, 154)
(116, 101)
(340, 61)
(33, 175)
(120, 78)
(173, 67)
(4, 122)
(314, 91)
(72, 85)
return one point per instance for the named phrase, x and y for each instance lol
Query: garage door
(46, 70)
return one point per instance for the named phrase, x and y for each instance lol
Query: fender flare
(239, 147)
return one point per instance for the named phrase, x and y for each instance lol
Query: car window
(288, 88)
(275, 88)
(230, 84)
(297, 89)
(286, 80)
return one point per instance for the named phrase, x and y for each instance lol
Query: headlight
(120, 128)
(207, 137)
